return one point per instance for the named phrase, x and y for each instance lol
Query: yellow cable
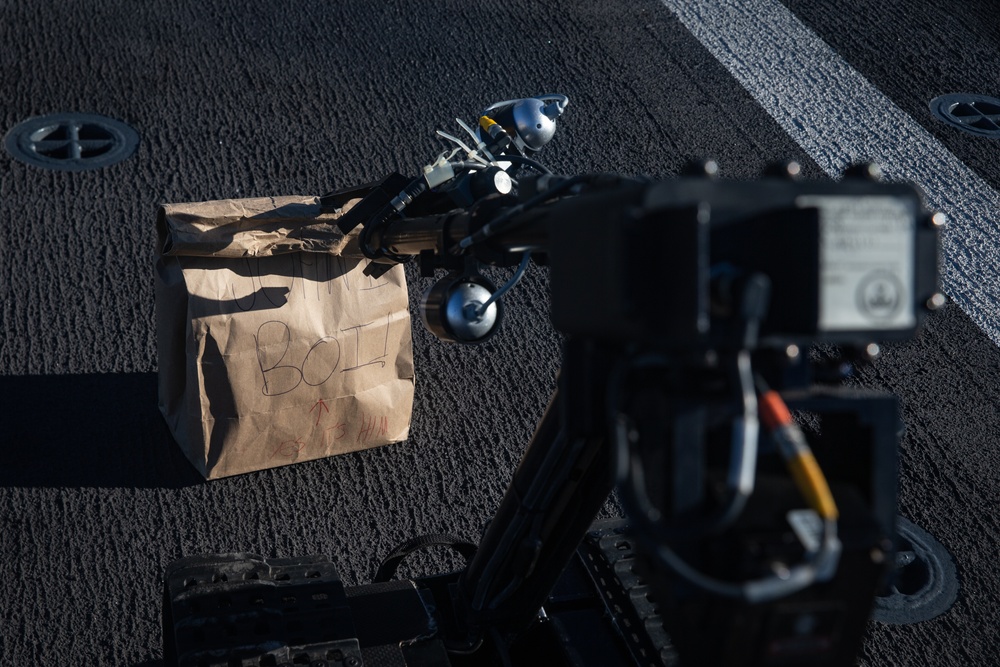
(812, 483)
(801, 462)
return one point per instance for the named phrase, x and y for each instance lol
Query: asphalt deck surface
(254, 99)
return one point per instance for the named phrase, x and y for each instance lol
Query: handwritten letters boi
(274, 347)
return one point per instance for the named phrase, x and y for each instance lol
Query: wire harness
(653, 532)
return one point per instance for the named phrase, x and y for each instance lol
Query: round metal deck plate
(977, 114)
(71, 141)
(926, 582)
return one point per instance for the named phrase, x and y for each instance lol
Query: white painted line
(839, 118)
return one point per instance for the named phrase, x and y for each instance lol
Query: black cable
(714, 523)
(504, 221)
(368, 231)
(478, 166)
(503, 652)
(648, 524)
(761, 384)
(525, 161)
(373, 228)
(387, 570)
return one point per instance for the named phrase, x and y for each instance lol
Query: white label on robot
(866, 258)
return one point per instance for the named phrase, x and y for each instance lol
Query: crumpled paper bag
(273, 346)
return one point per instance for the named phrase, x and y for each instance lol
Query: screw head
(936, 301)
(704, 168)
(868, 171)
(788, 169)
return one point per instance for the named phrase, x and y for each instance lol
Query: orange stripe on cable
(773, 411)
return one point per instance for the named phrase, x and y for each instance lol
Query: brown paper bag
(273, 345)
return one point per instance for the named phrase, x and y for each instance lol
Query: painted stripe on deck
(839, 117)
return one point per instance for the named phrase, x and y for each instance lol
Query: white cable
(446, 156)
(468, 130)
(472, 154)
(479, 142)
(455, 139)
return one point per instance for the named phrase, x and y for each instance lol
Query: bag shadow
(90, 430)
